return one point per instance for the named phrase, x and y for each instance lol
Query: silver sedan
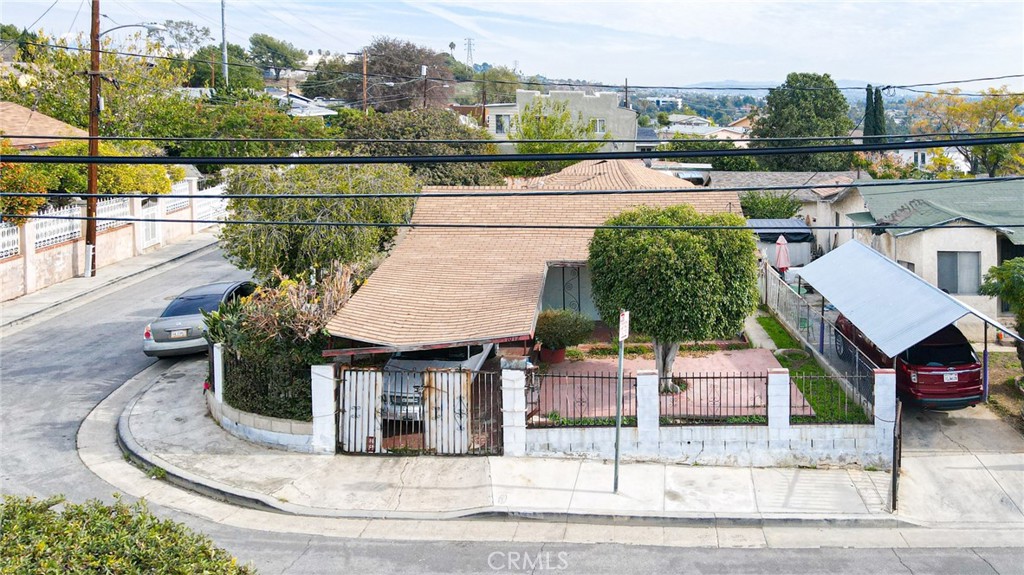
(180, 329)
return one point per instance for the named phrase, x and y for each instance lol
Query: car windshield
(191, 305)
(445, 354)
(940, 355)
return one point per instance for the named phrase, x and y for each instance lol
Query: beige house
(602, 109)
(947, 232)
(446, 286)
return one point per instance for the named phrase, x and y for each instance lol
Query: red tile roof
(16, 119)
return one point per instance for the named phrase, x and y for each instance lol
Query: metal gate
(897, 455)
(443, 412)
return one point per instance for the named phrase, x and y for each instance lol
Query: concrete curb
(99, 290)
(262, 502)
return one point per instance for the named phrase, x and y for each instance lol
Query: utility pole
(628, 107)
(469, 52)
(94, 142)
(364, 83)
(423, 72)
(483, 109)
(223, 45)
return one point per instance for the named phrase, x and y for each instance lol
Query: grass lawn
(824, 394)
(1005, 397)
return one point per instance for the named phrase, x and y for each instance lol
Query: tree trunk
(664, 356)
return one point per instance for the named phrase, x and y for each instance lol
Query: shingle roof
(16, 119)
(602, 175)
(981, 201)
(447, 285)
(757, 179)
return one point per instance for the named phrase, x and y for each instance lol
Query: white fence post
(513, 411)
(28, 255)
(778, 398)
(325, 409)
(648, 412)
(885, 412)
(218, 372)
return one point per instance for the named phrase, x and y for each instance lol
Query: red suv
(940, 372)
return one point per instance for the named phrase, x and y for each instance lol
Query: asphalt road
(52, 373)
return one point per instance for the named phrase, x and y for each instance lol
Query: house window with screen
(502, 123)
(959, 272)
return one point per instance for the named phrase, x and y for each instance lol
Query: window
(502, 123)
(959, 272)
(906, 264)
(597, 124)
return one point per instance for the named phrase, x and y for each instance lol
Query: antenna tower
(469, 52)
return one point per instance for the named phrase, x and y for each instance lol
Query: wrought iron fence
(714, 398)
(578, 400)
(823, 399)
(808, 321)
(10, 240)
(113, 208)
(54, 229)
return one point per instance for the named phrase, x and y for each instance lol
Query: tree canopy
(207, 63)
(805, 105)
(678, 285)
(24, 178)
(545, 119)
(1006, 281)
(761, 205)
(72, 179)
(274, 54)
(997, 110)
(430, 124)
(683, 142)
(499, 83)
(299, 250)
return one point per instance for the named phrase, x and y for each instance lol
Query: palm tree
(451, 48)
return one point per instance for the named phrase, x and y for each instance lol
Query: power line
(351, 224)
(34, 22)
(475, 158)
(909, 87)
(500, 191)
(696, 140)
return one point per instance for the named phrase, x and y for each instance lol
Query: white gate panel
(446, 421)
(360, 420)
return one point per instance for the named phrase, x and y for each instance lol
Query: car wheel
(842, 346)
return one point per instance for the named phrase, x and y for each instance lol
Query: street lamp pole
(95, 106)
(94, 142)
(423, 72)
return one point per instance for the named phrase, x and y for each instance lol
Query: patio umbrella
(782, 254)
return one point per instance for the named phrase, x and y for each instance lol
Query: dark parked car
(180, 329)
(940, 372)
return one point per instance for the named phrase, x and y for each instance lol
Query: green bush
(96, 538)
(561, 328)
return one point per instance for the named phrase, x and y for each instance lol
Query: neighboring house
(921, 158)
(602, 110)
(743, 123)
(448, 286)
(927, 242)
(695, 173)
(708, 132)
(817, 205)
(299, 106)
(647, 139)
(22, 121)
(688, 120)
(798, 236)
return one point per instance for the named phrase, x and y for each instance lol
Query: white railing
(10, 240)
(174, 203)
(54, 230)
(212, 208)
(113, 208)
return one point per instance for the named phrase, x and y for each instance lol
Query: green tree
(24, 178)
(662, 118)
(143, 102)
(997, 110)
(330, 79)
(544, 119)
(1006, 281)
(207, 63)
(460, 71)
(57, 536)
(879, 113)
(805, 105)
(869, 112)
(10, 34)
(683, 142)
(762, 205)
(182, 37)
(294, 250)
(72, 179)
(643, 121)
(678, 285)
(274, 54)
(430, 124)
(500, 84)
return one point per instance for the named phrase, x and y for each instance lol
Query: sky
(647, 43)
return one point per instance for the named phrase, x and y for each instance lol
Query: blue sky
(650, 43)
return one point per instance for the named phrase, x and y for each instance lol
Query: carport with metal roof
(891, 305)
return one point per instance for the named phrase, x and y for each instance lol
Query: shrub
(561, 328)
(96, 538)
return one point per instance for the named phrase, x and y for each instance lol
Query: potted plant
(558, 329)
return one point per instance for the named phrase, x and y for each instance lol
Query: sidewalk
(80, 290)
(166, 426)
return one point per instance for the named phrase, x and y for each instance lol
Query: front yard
(1006, 397)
